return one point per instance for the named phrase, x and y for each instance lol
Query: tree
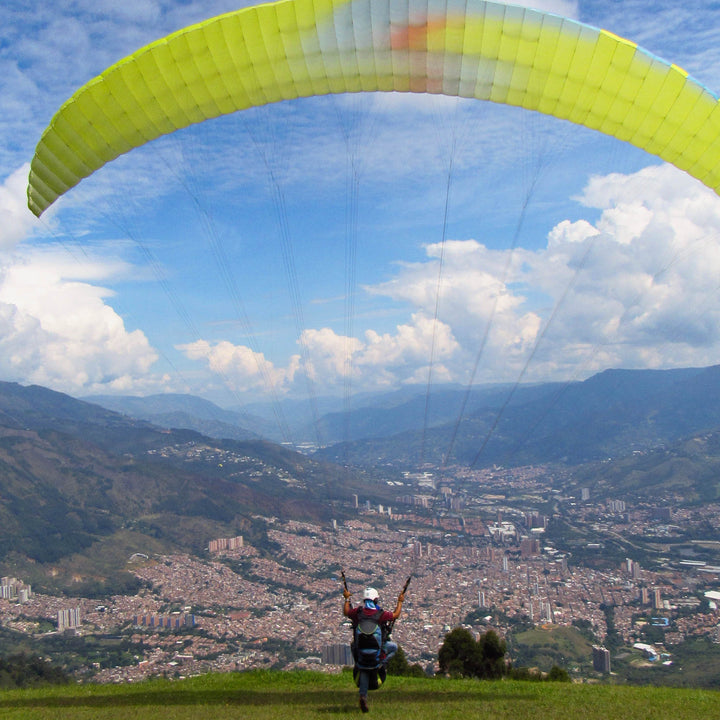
(492, 654)
(558, 674)
(459, 654)
(399, 665)
(462, 656)
(28, 671)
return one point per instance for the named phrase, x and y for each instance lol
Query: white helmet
(370, 593)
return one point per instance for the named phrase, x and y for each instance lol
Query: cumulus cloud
(56, 327)
(477, 301)
(639, 288)
(17, 221)
(57, 330)
(636, 287)
(241, 369)
(379, 361)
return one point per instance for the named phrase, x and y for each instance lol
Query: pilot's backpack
(368, 640)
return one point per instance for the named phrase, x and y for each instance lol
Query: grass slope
(301, 696)
(545, 646)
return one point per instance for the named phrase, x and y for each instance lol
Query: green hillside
(545, 646)
(82, 489)
(307, 696)
(689, 470)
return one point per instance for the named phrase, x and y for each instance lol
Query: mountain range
(608, 415)
(83, 487)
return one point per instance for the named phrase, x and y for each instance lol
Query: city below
(501, 549)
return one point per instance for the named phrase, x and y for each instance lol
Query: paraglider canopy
(297, 48)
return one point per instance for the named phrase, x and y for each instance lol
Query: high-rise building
(233, 543)
(546, 611)
(174, 621)
(533, 519)
(13, 589)
(338, 654)
(601, 659)
(529, 547)
(68, 618)
(664, 514)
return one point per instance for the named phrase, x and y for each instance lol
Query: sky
(347, 244)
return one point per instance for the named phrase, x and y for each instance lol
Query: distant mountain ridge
(608, 415)
(84, 487)
(83, 482)
(181, 411)
(370, 414)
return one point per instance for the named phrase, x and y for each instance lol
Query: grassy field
(305, 696)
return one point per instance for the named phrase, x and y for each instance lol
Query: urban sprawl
(479, 551)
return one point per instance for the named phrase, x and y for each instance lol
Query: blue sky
(214, 261)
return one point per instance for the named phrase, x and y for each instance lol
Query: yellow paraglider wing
(300, 48)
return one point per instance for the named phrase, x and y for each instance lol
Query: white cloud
(17, 221)
(328, 352)
(240, 368)
(477, 303)
(381, 361)
(57, 330)
(642, 290)
(636, 288)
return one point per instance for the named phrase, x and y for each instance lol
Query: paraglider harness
(369, 638)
